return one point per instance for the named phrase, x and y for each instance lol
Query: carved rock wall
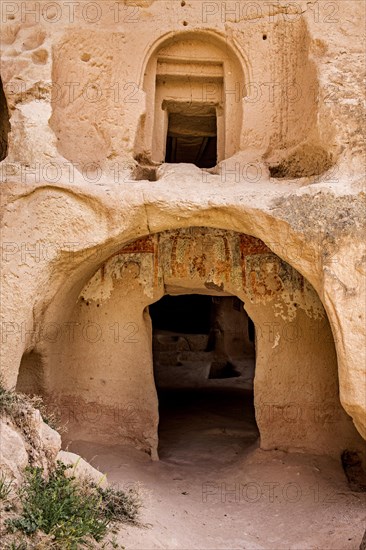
(78, 90)
(100, 370)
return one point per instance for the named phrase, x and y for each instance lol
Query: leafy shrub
(72, 512)
(61, 507)
(57, 512)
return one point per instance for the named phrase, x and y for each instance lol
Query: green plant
(5, 487)
(61, 507)
(71, 512)
(58, 512)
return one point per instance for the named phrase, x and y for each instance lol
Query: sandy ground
(213, 488)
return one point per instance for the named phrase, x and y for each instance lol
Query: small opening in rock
(264, 37)
(31, 374)
(251, 330)
(354, 470)
(145, 172)
(182, 3)
(306, 161)
(185, 23)
(4, 123)
(192, 138)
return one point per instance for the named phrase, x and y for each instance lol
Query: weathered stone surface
(13, 454)
(86, 101)
(51, 441)
(37, 444)
(363, 542)
(81, 469)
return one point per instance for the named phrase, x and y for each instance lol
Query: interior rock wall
(199, 338)
(230, 329)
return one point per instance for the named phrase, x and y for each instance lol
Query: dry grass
(51, 510)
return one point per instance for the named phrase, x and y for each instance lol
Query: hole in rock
(305, 161)
(204, 362)
(192, 138)
(31, 374)
(4, 123)
(355, 470)
(144, 172)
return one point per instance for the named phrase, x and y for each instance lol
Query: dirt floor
(213, 488)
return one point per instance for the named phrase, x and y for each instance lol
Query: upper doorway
(192, 138)
(194, 85)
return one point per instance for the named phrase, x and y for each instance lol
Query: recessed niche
(306, 161)
(194, 85)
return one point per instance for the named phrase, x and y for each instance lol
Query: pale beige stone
(37, 444)
(89, 112)
(51, 440)
(13, 453)
(81, 469)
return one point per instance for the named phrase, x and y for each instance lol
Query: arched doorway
(100, 371)
(194, 84)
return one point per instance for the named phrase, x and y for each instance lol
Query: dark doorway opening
(192, 138)
(4, 124)
(189, 314)
(204, 364)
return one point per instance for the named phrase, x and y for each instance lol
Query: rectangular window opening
(192, 138)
